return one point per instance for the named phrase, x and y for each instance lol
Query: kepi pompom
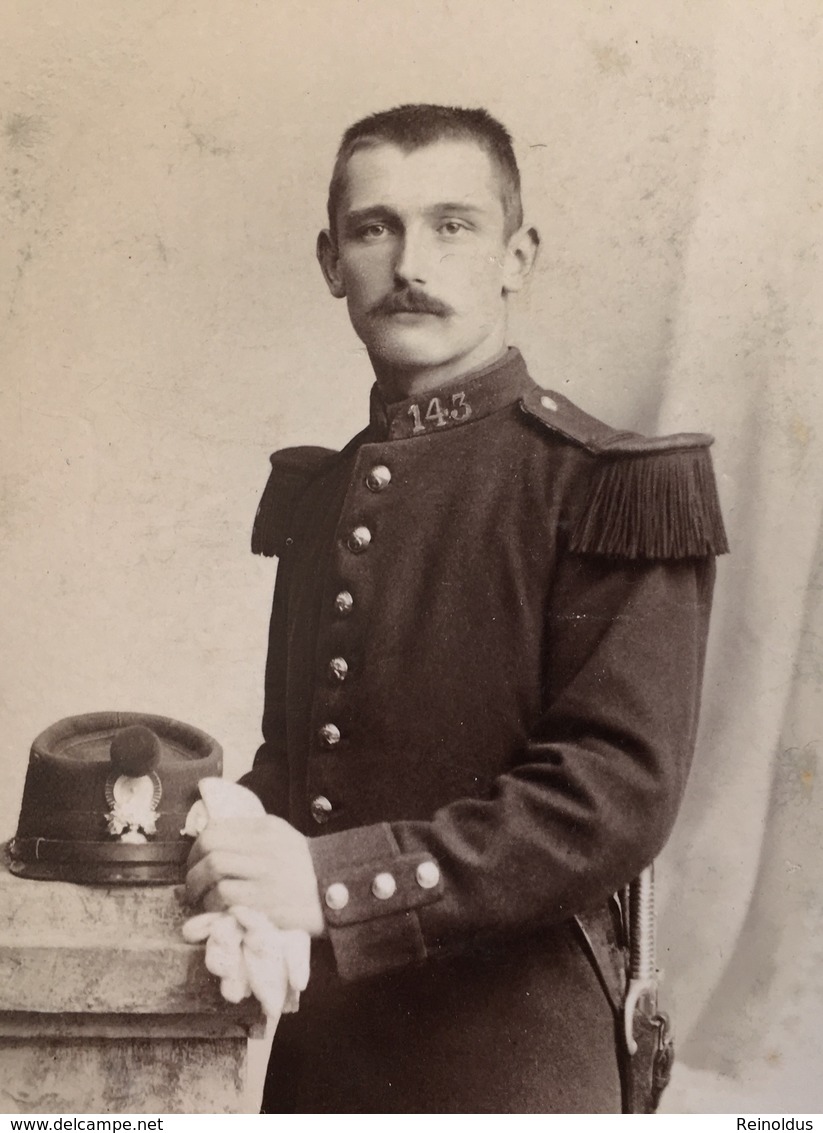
(135, 751)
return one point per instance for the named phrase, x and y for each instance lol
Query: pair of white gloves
(243, 948)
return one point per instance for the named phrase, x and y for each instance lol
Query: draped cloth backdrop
(744, 906)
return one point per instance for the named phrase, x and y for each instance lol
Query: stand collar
(457, 402)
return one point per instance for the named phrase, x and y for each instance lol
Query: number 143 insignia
(437, 415)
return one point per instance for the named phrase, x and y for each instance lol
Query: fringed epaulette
(649, 498)
(291, 470)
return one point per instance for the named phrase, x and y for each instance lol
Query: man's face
(421, 254)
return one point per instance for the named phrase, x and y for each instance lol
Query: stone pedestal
(105, 1009)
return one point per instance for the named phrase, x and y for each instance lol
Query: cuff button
(336, 896)
(427, 874)
(384, 886)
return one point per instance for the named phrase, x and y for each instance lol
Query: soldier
(484, 668)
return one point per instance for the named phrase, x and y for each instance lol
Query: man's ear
(520, 255)
(328, 259)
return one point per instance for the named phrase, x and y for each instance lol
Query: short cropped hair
(415, 125)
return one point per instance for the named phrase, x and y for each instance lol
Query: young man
(484, 668)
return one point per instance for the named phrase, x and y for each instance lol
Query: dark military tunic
(482, 691)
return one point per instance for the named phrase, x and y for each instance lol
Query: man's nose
(411, 265)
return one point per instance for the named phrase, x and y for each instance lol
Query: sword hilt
(643, 976)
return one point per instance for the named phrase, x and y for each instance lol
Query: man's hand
(263, 863)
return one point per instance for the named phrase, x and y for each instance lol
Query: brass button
(427, 874)
(320, 809)
(378, 478)
(384, 886)
(548, 403)
(344, 602)
(330, 734)
(338, 668)
(337, 896)
(359, 540)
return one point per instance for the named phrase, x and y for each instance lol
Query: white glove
(243, 948)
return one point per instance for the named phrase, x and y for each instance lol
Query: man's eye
(373, 231)
(452, 228)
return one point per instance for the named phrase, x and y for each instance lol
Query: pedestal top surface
(89, 912)
(103, 950)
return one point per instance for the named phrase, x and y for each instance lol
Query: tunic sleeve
(291, 469)
(269, 776)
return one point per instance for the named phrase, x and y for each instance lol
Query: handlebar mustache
(412, 302)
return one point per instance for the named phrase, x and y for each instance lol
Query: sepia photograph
(411, 558)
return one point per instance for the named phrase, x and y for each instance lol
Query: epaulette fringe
(291, 470)
(266, 532)
(653, 506)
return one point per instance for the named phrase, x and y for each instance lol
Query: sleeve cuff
(371, 892)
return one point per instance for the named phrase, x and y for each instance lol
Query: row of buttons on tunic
(358, 540)
(383, 886)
